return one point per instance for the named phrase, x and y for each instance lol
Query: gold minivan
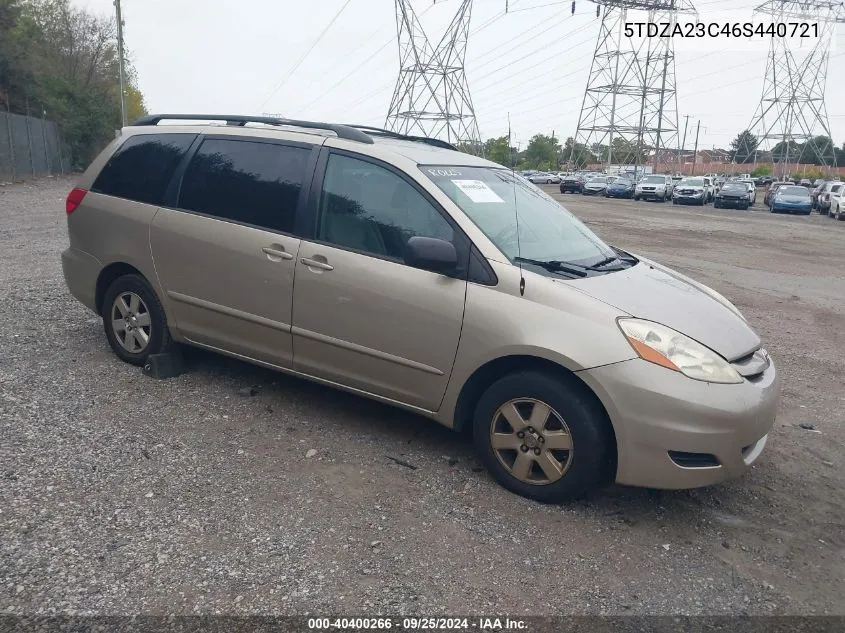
(401, 269)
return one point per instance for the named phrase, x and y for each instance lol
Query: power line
(304, 56)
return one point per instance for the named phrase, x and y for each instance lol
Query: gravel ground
(123, 494)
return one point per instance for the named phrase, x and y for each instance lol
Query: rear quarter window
(142, 166)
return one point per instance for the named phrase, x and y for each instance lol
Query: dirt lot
(122, 494)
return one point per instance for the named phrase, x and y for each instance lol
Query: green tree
(500, 152)
(576, 154)
(543, 152)
(817, 151)
(61, 60)
(761, 172)
(744, 147)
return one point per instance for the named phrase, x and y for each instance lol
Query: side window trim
(131, 138)
(174, 189)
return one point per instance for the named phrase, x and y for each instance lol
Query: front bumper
(651, 193)
(655, 410)
(593, 192)
(791, 208)
(684, 198)
(733, 203)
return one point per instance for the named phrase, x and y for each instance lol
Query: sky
(337, 60)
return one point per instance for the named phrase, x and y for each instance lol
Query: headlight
(668, 348)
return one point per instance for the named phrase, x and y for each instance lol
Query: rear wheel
(134, 321)
(543, 437)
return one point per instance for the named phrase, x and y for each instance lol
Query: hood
(596, 185)
(793, 199)
(656, 293)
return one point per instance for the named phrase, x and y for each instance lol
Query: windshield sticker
(477, 191)
(448, 173)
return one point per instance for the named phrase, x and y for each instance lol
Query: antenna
(515, 211)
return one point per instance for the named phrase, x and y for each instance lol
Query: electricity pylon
(792, 111)
(630, 105)
(432, 95)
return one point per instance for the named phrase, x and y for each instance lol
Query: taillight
(74, 199)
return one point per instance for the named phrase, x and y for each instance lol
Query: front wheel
(134, 321)
(542, 437)
(637, 198)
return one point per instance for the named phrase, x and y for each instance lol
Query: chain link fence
(29, 147)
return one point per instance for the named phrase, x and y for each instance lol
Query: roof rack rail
(343, 131)
(436, 142)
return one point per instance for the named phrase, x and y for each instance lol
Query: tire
(675, 202)
(585, 466)
(128, 347)
(702, 203)
(716, 205)
(637, 198)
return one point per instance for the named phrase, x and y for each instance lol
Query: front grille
(694, 460)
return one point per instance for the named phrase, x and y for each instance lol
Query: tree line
(546, 153)
(60, 62)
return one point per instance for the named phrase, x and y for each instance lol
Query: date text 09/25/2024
(418, 624)
(718, 29)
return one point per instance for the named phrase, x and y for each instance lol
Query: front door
(225, 256)
(361, 316)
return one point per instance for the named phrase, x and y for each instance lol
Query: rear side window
(141, 168)
(246, 181)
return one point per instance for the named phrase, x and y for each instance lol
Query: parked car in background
(837, 204)
(792, 199)
(654, 187)
(752, 190)
(805, 182)
(771, 190)
(596, 185)
(573, 183)
(823, 203)
(544, 178)
(732, 195)
(710, 186)
(691, 190)
(816, 190)
(620, 188)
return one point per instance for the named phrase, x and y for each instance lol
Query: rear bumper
(81, 271)
(655, 411)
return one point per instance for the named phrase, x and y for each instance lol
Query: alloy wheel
(532, 441)
(131, 323)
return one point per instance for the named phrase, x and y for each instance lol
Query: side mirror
(431, 253)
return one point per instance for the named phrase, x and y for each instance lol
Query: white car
(752, 190)
(710, 186)
(691, 190)
(837, 203)
(544, 178)
(655, 187)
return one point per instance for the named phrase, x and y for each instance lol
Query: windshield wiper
(555, 266)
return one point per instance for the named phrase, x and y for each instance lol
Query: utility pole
(683, 146)
(120, 63)
(695, 151)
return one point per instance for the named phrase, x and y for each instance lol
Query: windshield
(623, 182)
(731, 186)
(693, 182)
(657, 179)
(493, 199)
(598, 179)
(793, 191)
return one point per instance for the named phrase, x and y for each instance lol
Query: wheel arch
(493, 370)
(107, 275)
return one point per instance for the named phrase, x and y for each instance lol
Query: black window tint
(371, 209)
(141, 168)
(245, 181)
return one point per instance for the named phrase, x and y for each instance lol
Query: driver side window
(367, 208)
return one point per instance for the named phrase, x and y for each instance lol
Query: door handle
(275, 252)
(316, 263)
